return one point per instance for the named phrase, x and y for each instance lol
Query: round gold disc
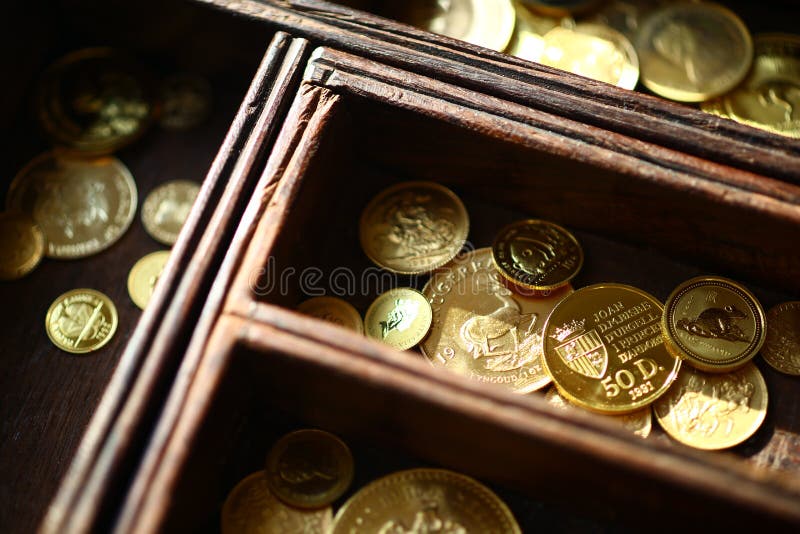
(715, 324)
(769, 98)
(484, 331)
(309, 468)
(604, 349)
(425, 500)
(639, 422)
(251, 508)
(22, 245)
(166, 208)
(400, 317)
(81, 321)
(333, 310)
(144, 275)
(413, 227)
(625, 16)
(83, 206)
(529, 31)
(782, 346)
(692, 52)
(95, 101)
(713, 411)
(537, 255)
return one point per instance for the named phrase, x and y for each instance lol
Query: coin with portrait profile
(81, 321)
(400, 318)
(333, 310)
(166, 209)
(22, 245)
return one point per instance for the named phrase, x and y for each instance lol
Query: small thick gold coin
(22, 245)
(425, 500)
(592, 50)
(715, 324)
(413, 227)
(95, 101)
(529, 31)
(166, 208)
(83, 206)
(483, 330)
(186, 101)
(692, 52)
(769, 98)
(333, 310)
(604, 349)
(713, 411)
(400, 317)
(144, 275)
(81, 321)
(639, 422)
(251, 508)
(309, 468)
(782, 346)
(537, 255)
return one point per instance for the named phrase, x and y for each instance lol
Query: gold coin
(186, 102)
(537, 255)
(528, 39)
(81, 321)
(626, 16)
(604, 349)
(400, 317)
(594, 51)
(715, 324)
(483, 330)
(251, 508)
(639, 422)
(782, 345)
(413, 227)
(21, 245)
(83, 206)
(713, 411)
(309, 468)
(144, 275)
(692, 52)
(769, 98)
(333, 310)
(95, 101)
(425, 500)
(166, 209)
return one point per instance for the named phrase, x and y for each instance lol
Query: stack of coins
(77, 200)
(308, 470)
(688, 51)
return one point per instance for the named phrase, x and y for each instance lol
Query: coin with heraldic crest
(333, 310)
(22, 245)
(400, 318)
(144, 275)
(604, 349)
(81, 321)
(413, 227)
(782, 346)
(166, 209)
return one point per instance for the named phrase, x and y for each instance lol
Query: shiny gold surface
(425, 500)
(692, 52)
(251, 508)
(400, 317)
(604, 349)
(769, 98)
(483, 330)
(22, 245)
(713, 411)
(83, 206)
(309, 468)
(528, 39)
(714, 323)
(166, 208)
(626, 16)
(639, 422)
(413, 227)
(333, 310)
(782, 345)
(144, 275)
(537, 255)
(81, 321)
(186, 102)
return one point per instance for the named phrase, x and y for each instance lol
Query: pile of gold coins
(77, 200)
(508, 315)
(687, 51)
(308, 470)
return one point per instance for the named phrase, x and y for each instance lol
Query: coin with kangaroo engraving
(715, 324)
(400, 317)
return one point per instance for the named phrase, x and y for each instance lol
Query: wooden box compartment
(646, 215)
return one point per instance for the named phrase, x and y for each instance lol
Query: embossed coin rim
(766, 354)
(40, 245)
(674, 342)
(309, 502)
(501, 235)
(336, 303)
(157, 193)
(386, 295)
(134, 272)
(458, 204)
(100, 296)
